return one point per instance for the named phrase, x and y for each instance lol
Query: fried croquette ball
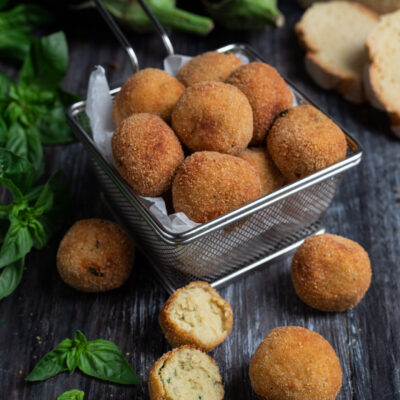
(213, 116)
(303, 141)
(270, 177)
(210, 184)
(95, 255)
(196, 314)
(331, 273)
(267, 93)
(295, 363)
(151, 91)
(146, 153)
(208, 67)
(185, 373)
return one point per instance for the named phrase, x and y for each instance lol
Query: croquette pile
(211, 112)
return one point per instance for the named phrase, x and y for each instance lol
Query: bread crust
(178, 337)
(155, 385)
(373, 92)
(350, 87)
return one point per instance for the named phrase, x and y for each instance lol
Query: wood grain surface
(43, 310)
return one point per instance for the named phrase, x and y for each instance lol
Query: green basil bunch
(33, 111)
(16, 26)
(98, 358)
(29, 220)
(72, 395)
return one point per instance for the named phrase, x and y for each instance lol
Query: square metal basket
(234, 244)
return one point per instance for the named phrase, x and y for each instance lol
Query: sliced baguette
(382, 77)
(379, 6)
(334, 35)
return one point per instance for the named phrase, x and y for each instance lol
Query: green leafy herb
(16, 26)
(98, 358)
(72, 395)
(29, 220)
(33, 110)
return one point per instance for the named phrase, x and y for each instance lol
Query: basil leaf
(52, 363)
(25, 142)
(16, 169)
(11, 277)
(104, 360)
(46, 64)
(72, 395)
(80, 339)
(53, 125)
(72, 359)
(15, 27)
(17, 243)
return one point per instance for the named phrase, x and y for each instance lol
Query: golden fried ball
(270, 177)
(151, 91)
(208, 67)
(331, 273)
(295, 363)
(267, 93)
(303, 141)
(146, 153)
(213, 116)
(95, 256)
(210, 184)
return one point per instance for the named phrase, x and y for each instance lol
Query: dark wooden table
(44, 310)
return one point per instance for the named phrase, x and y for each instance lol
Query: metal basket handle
(159, 28)
(119, 35)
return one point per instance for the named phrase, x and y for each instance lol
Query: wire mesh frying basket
(234, 244)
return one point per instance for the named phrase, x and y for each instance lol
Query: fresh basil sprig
(16, 25)
(98, 358)
(29, 220)
(33, 111)
(72, 395)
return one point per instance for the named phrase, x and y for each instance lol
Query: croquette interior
(201, 312)
(190, 375)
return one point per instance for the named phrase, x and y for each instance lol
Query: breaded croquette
(331, 273)
(303, 141)
(267, 93)
(295, 363)
(146, 153)
(95, 256)
(208, 67)
(185, 373)
(196, 314)
(213, 116)
(270, 177)
(151, 91)
(210, 184)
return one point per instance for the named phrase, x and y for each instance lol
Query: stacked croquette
(216, 108)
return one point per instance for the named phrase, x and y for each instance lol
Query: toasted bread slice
(382, 76)
(334, 36)
(185, 373)
(379, 6)
(196, 314)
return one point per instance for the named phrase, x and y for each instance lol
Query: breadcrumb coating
(210, 184)
(151, 91)
(294, 363)
(303, 141)
(213, 116)
(267, 93)
(270, 177)
(146, 153)
(95, 256)
(208, 67)
(331, 273)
